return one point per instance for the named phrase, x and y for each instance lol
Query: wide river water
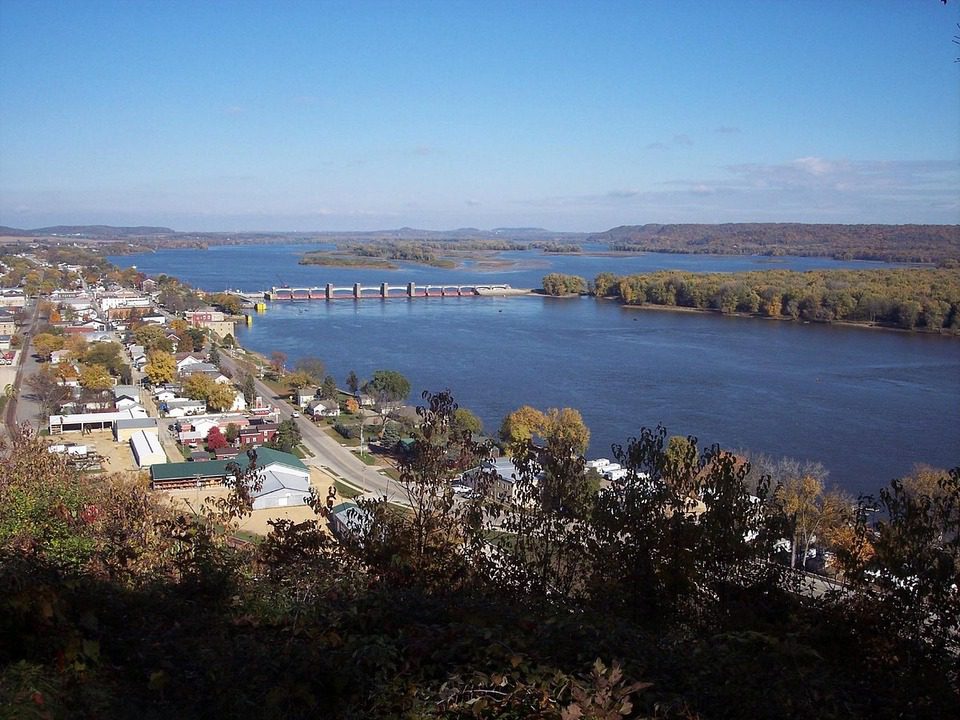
(868, 404)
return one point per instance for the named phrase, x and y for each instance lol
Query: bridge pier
(384, 290)
(411, 289)
(329, 291)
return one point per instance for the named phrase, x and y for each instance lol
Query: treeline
(890, 243)
(408, 252)
(556, 247)
(903, 298)
(559, 284)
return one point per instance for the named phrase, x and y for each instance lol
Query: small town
(479, 360)
(120, 383)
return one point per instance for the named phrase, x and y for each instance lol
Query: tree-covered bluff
(906, 298)
(890, 243)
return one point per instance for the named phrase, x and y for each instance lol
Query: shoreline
(752, 316)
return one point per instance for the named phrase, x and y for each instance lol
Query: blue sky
(567, 115)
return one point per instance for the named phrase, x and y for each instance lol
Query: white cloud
(809, 189)
(814, 165)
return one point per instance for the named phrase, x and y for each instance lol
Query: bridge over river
(385, 290)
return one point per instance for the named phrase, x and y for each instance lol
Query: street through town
(327, 453)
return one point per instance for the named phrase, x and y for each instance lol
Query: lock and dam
(358, 291)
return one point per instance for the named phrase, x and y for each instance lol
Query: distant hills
(88, 231)
(109, 232)
(408, 233)
(891, 243)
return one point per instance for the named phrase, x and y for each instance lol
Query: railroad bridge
(383, 290)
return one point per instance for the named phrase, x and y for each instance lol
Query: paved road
(328, 454)
(22, 408)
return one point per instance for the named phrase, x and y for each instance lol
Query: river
(868, 404)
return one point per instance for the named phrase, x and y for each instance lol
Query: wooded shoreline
(913, 299)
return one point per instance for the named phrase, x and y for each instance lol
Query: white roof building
(147, 449)
(92, 421)
(283, 486)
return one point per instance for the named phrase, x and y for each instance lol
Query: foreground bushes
(114, 604)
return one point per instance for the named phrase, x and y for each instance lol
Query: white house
(92, 326)
(181, 407)
(126, 391)
(203, 426)
(125, 403)
(104, 336)
(188, 360)
(165, 395)
(304, 396)
(239, 403)
(324, 408)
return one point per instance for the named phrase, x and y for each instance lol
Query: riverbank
(505, 292)
(757, 316)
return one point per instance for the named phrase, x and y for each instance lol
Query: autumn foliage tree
(161, 367)
(560, 284)
(217, 396)
(810, 510)
(95, 378)
(216, 439)
(46, 343)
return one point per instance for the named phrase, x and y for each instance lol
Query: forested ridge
(891, 243)
(907, 298)
(568, 604)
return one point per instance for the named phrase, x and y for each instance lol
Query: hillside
(13, 232)
(891, 243)
(102, 231)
